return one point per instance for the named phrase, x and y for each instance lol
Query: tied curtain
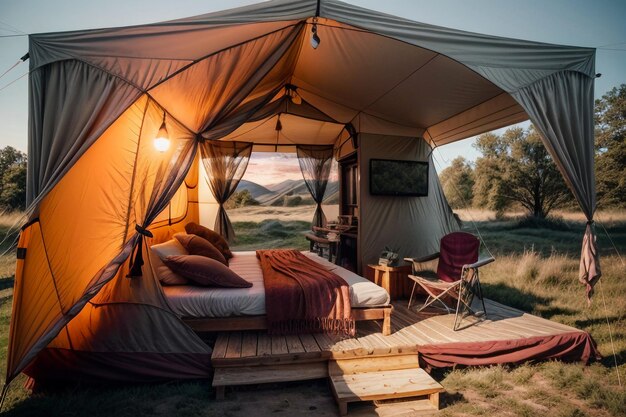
(570, 141)
(225, 163)
(315, 163)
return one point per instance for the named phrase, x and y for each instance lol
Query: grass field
(536, 271)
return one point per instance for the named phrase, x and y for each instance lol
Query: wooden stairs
(382, 380)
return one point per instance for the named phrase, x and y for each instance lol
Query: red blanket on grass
(303, 297)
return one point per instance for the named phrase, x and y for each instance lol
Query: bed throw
(303, 297)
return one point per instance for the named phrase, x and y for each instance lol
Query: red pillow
(205, 271)
(195, 245)
(213, 237)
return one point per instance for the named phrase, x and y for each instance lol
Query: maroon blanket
(303, 297)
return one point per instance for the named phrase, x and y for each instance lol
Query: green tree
(241, 198)
(12, 179)
(457, 182)
(516, 169)
(488, 186)
(610, 141)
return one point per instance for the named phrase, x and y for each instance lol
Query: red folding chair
(456, 281)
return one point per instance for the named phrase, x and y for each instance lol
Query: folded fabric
(163, 273)
(205, 271)
(196, 245)
(213, 237)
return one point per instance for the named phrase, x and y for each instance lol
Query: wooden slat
(247, 375)
(294, 345)
(309, 343)
(384, 385)
(234, 345)
(221, 343)
(249, 344)
(264, 344)
(324, 341)
(279, 345)
(372, 364)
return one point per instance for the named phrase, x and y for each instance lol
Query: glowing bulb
(162, 140)
(296, 99)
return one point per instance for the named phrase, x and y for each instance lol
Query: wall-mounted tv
(398, 178)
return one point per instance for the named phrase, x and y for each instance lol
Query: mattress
(194, 301)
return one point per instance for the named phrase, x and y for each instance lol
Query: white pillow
(162, 251)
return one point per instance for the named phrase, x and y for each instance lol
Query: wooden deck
(410, 332)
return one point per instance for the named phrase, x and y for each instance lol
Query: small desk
(319, 244)
(392, 278)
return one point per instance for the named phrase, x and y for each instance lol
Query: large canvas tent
(97, 188)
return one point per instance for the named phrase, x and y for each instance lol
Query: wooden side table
(392, 278)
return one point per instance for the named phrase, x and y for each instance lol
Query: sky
(598, 23)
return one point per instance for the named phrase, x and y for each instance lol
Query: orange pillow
(213, 237)
(205, 271)
(195, 245)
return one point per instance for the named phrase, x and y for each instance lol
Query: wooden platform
(507, 335)
(410, 331)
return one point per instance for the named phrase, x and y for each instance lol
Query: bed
(218, 309)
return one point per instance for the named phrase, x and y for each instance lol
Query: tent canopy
(98, 97)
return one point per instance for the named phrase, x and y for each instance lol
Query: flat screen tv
(398, 178)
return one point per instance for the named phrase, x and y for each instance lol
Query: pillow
(162, 251)
(205, 271)
(195, 245)
(213, 237)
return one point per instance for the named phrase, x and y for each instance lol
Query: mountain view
(290, 192)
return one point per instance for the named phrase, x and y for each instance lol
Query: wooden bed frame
(237, 323)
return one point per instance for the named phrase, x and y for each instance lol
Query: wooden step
(384, 385)
(250, 375)
(372, 364)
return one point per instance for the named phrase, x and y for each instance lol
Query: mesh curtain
(315, 163)
(157, 177)
(225, 163)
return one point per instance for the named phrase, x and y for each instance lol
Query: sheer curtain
(225, 163)
(315, 163)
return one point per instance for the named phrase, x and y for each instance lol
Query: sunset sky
(267, 168)
(598, 24)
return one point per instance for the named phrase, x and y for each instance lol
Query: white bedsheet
(193, 301)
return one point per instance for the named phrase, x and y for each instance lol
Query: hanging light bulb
(315, 39)
(162, 139)
(291, 91)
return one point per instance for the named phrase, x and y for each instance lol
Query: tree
(241, 198)
(488, 185)
(457, 182)
(12, 179)
(516, 169)
(610, 145)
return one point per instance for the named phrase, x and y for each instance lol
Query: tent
(98, 189)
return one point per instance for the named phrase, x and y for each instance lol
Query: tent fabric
(315, 163)
(125, 333)
(570, 143)
(589, 270)
(572, 347)
(97, 99)
(413, 225)
(225, 164)
(68, 262)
